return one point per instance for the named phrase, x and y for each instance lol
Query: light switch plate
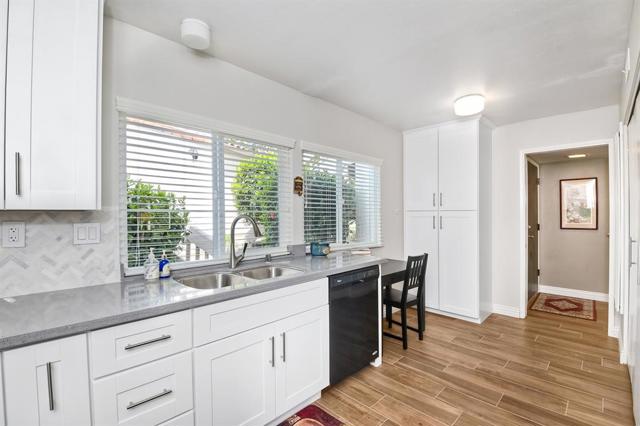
(13, 234)
(86, 233)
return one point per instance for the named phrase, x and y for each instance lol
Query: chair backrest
(414, 275)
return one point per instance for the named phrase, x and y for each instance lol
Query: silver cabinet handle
(147, 342)
(17, 173)
(284, 347)
(273, 351)
(631, 243)
(434, 199)
(151, 398)
(441, 199)
(434, 222)
(50, 385)
(440, 222)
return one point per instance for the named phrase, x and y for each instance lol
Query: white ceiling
(592, 152)
(403, 62)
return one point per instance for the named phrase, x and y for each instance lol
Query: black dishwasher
(353, 313)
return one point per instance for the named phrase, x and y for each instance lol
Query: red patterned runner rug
(312, 415)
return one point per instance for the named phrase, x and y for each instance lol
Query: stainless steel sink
(267, 272)
(212, 281)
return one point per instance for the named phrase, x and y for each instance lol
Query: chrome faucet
(234, 259)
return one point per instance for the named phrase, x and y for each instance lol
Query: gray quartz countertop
(39, 317)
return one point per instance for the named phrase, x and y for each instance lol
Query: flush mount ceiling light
(468, 105)
(577, 155)
(195, 34)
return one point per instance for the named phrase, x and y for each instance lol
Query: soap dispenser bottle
(151, 267)
(165, 269)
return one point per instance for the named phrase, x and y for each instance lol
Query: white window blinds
(183, 186)
(342, 200)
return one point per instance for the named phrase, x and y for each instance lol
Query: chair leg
(388, 313)
(405, 344)
(421, 315)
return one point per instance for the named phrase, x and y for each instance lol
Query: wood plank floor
(544, 370)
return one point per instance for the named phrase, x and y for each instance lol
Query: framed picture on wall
(579, 203)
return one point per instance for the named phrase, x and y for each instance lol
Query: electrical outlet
(13, 234)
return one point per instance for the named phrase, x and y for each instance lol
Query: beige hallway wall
(570, 258)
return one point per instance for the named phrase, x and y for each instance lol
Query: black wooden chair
(414, 277)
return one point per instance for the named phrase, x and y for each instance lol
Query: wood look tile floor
(544, 370)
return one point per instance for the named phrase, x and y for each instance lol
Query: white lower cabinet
(458, 242)
(146, 395)
(422, 237)
(255, 376)
(48, 383)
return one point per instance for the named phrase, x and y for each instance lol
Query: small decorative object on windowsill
(151, 267)
(320, 249)
(298, 186)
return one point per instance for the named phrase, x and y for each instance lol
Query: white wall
(508, 142)
(145, 67)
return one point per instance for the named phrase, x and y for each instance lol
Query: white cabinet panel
(422, 237)
(185, 419)
(52, 104)
(458, 166)
(2, 423)
(146, 395)
(4, 4)
(458, 272)
(235, 379)
(303, 357)
(421, 170)
(128, 345)
(48, 383)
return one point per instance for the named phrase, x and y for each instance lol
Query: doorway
(533, 227)
(558, 258)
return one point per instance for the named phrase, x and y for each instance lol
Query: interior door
(458, 273)
(303, 357)
(458, 166)
(421, 236)
(532, 227)
(235, 380)
(48, 383)
(52, 111)
(421, 170)
(633, 138)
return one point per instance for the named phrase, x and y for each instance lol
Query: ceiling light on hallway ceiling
(577, 155)
(468, 105)
(195, 33)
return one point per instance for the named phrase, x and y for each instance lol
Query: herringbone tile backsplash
(50, 260)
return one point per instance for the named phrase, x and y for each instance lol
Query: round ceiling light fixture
(195, 33)
(468, 105)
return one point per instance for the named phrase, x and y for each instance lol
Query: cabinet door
(303, 357)
(458, 272)
(48, 383)
(52, 104)
(421, 236)
(421, 170)
(458, 166)
(3, 56)
(235, 379)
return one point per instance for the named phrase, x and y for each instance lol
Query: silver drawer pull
(50, 385)
(151, 398)
(147, 342)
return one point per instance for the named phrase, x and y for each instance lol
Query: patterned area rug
(312, 415)
(567, 306)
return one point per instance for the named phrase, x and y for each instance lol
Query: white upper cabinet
(421, 170)
(458, 166)
(53, 105)
(48, 383)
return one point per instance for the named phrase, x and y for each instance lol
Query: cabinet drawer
(128, 345)
(147, 395)
(185, 419)
(214, 322)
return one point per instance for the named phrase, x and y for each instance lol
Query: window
(342, 200)
(183, 186)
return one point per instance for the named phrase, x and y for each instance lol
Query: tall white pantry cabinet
(447, 214)
(50, 88)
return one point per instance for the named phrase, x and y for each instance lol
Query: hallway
(546, 369)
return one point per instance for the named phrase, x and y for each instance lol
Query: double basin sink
(227, 279)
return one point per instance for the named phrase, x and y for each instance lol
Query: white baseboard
(569, 292)
(509, 311)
